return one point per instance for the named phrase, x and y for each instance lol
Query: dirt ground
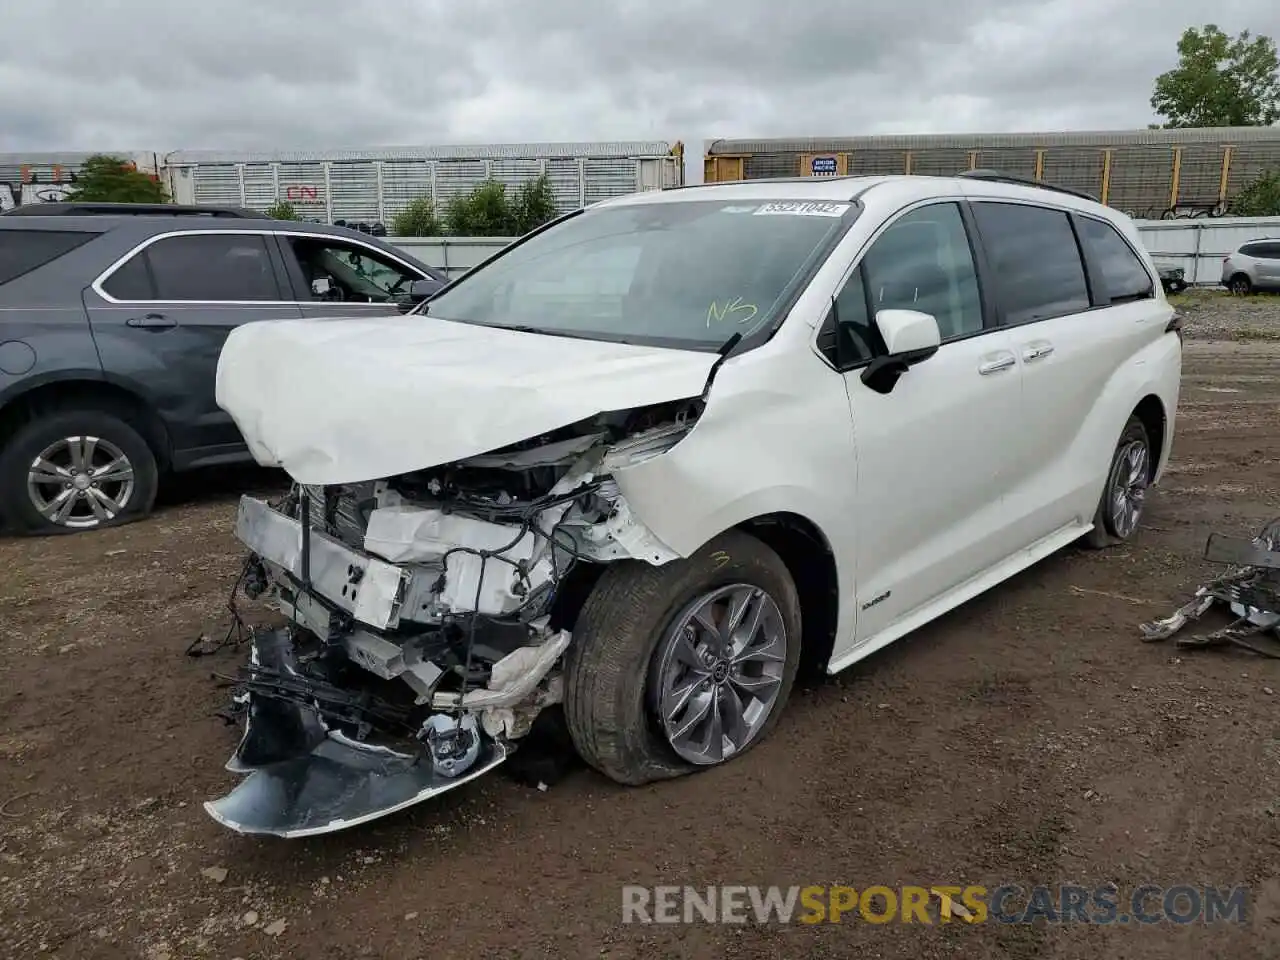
(1027, 737)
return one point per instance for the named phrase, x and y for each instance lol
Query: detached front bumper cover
(306, 779)
(1250, 588)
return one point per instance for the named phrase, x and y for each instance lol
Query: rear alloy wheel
(76, 470)
(1240, 285)
(683, 666)
(1125, 495)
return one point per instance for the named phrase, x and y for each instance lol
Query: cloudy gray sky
(159, 74)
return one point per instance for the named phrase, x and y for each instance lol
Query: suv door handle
(996, 363)
(1037, 351)
(152, 321)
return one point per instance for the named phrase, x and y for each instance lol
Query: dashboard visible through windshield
(686, 274)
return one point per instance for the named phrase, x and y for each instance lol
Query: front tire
(1124, 495)
(75, 470)
(682, 666)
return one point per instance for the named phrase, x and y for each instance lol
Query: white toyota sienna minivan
(645, 462)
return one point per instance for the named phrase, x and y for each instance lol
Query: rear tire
(1240, 285)
(76, 470)
(1123, 499)
(622, 655)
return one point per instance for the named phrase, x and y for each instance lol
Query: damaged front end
(426, 618)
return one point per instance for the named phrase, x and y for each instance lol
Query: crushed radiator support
(1249, 587)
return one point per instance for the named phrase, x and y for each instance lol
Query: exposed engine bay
(426, 616)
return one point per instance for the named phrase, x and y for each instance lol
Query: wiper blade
(725, 348)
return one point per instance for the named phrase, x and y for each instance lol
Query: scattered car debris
(1250, 588)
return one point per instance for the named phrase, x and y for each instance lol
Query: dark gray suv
(110, 330)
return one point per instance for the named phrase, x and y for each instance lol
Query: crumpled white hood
(348, 400)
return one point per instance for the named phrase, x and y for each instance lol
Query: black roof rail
(71, 208)
(996, 176)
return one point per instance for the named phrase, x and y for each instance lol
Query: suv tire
(614, 667)
(1240, 285)
(114, 485)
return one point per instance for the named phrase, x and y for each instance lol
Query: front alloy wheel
(679, 667)
(80, 482)
(718, 672)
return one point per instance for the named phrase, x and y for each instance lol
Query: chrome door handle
(152, 321)
(998, 364)
(1037, 352)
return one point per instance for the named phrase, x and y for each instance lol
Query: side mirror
(421, 289)
(910, 337)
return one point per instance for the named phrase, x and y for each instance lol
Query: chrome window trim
(97, 285)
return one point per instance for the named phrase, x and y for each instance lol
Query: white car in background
(1253, 266)
(649, 459)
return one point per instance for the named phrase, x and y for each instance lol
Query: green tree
(533, 205)
(484, 212)
(490, 211)
(107, 179)
(1220, 81)
(418, 219)
(283, 210)
(1261, 198)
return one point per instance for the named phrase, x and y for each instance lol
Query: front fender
(775, 437)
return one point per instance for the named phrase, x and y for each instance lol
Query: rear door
(1079, 303)
(161, 313)
(1269, 263)
(339, 277)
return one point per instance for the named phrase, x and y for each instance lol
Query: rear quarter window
(1124, 277)
(22, 251)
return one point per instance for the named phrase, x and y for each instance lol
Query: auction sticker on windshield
(802, 208)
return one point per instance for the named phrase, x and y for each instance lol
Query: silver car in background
(1253, 266)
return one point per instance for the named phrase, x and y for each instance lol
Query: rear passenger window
(202, 267)
(21, 251)
(1034, 260)
(1122, 272)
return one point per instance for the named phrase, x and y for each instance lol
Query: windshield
(680, 274)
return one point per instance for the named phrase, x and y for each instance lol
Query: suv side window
(921, 262)
(1034, 259)
(1269, 251)
(1123, 272)
(1251, 249)
(22, 251)
(209, 268)
(355, 273)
